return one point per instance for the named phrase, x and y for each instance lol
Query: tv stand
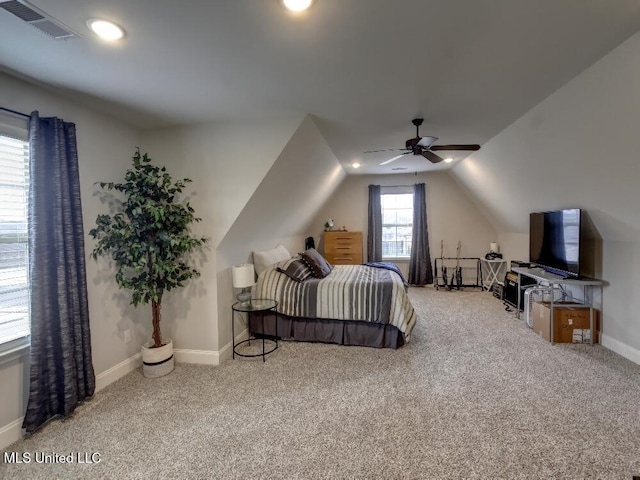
(543, 277)
(558, 273)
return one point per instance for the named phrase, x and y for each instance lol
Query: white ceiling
(362, 68)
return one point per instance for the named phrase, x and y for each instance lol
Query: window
(397, 225)
(14, 260)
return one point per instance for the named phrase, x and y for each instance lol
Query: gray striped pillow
(295, 269)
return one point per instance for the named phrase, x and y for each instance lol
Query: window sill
(14, 350)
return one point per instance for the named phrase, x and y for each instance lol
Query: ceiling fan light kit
(424, 146)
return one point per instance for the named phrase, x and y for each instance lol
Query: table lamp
(244, 278)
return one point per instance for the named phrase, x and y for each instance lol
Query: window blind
(14, 254)
(397, 225)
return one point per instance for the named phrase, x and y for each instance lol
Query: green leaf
(147, 232)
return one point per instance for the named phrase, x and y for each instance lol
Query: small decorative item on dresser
(328, 225)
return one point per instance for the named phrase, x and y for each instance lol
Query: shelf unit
(552, 280)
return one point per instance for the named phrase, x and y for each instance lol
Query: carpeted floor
(474, 395)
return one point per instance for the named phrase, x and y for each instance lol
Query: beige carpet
(474, 395)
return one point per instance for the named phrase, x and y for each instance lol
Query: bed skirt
(342, 332)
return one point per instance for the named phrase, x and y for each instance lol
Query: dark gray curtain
(61, 372)
(420, 272)
(374, 233)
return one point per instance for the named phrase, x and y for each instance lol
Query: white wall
(226, 161)
(576, 148)
(105, 147)
(301, 180)
(452, 215)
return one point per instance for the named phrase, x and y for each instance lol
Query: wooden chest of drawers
(343, 248)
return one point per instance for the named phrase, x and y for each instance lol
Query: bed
(365, 305)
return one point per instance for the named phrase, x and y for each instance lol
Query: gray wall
(227, 161)
(451, 214)
(301, 180)
(577, 148)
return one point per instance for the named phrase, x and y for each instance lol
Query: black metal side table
(262, 306)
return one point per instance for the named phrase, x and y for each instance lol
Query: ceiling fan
(424, 146)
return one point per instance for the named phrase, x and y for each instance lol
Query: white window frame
(19, 347)
(399, 190)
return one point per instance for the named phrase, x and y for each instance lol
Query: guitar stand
(467, 264)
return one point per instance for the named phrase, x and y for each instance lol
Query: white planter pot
(157, 362)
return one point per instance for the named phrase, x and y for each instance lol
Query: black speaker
(309, 242)
(497, 289)
(510, 292)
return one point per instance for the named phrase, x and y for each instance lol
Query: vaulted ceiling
(363, 68)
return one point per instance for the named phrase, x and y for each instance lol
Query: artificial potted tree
(149, 239)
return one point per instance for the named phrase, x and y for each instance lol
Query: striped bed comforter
(349, 292)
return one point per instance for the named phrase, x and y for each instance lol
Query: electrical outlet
(127, 336)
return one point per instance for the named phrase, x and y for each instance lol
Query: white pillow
(264, 259)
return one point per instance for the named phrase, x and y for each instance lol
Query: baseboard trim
(227, 351)
(199, 357)
(620, 348)
(207, 357)
(182, 355)
(117, 372)
(11, 433)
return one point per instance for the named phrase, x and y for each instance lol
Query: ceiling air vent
(38, 19)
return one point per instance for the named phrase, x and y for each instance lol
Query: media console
(552, 280)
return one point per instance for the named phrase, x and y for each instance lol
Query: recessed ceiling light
(106, 30)
(355, 165)
(297, 5)
(448, 160)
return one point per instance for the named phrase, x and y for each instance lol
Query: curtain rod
(15, 113)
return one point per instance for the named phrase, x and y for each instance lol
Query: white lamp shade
(243, 275)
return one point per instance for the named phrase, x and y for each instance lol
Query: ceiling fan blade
(386, 150)
(432, 157)
(394, 158)
(471, 148)
(425, 142)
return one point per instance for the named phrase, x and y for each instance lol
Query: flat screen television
(555, 241)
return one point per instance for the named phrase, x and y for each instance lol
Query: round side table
(261, 306)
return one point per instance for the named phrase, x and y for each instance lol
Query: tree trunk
(157, 336)
(155, 307)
